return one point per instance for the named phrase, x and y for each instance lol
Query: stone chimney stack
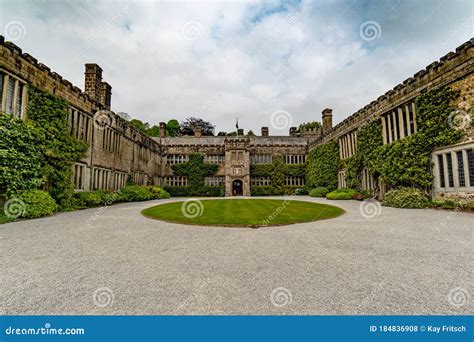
(292, 131)
(240, 132)
(93, 79)
(264, 131)
(197, 131)
(327, 120)
(162, 129)
(105, 94)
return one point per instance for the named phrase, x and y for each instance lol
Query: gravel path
(397, 262)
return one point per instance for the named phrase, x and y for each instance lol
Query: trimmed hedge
(184, 191)
(319, 192)
(37, 203)
(406, 198)
(341, 194)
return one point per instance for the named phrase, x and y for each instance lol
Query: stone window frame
(214, 181)
(101, 178)
(174, 181)
(348, 144)
(111, 140)
(13, 95)
(80, 124)
(172, 159)
(218, 159)
(294, 158)
(79, 176)
(260, 181)
(399, 122)
(261, 159)
(294, 181)
(452, 176)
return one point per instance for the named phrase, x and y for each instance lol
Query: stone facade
(118, 150)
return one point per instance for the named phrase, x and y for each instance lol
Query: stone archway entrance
(237, 188)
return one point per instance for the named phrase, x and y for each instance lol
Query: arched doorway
(237, 188)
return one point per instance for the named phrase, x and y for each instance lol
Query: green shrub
(453, 203)
(319, 192)
(36, 203)
(341, 194)
(87, 199)
(301, 191)
(132, 193)
(159, 193)
(406, 198)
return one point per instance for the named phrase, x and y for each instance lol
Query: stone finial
(327, 120)
(240, 132)
(292, 131)
(93, 78)
(162, 129)
(197, 131)
(264, 131)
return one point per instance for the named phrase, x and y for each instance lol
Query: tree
(250, 133)
(187, 126)
(172, 128)
(153, 131)
(140, 125)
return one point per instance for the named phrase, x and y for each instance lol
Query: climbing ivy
(195, 169)
(21, 156)
(49, 113)
(39, 152)
(277, 171)
(406, 162)
(323, 166)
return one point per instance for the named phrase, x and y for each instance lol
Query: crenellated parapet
(451, 67)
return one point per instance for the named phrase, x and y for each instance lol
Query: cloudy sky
(273, 63)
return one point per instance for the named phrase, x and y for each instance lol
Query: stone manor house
(118, 150)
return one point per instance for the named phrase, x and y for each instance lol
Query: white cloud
(248, 59)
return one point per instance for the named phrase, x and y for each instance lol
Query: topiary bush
(319, 192)
(341, 194)
(406, 198)
(132, 193)
(35, 203)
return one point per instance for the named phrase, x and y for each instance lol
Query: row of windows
(111, 140)
(214, 181)
(294, 158)
(176, 159)
(79, 125)
(260, 181)
(348, 145)
(12, 95)
(175, 181)
(139, 178)
(399, 123)
(214, 158)
(144, 153)
(294, 181)
(78, 176)
(256, 159)
(456, 169)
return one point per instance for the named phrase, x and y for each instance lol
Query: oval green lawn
(242, 212)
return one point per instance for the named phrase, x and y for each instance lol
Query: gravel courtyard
(119, 262)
